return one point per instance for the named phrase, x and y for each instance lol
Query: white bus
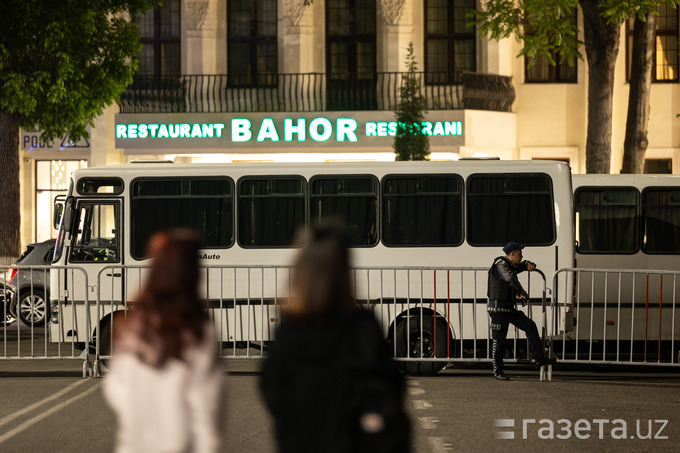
(410, 224)
(628, 222)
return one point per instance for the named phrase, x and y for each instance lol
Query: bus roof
(639, 181)
(168, 168)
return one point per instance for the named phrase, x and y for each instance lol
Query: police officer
(503, 291)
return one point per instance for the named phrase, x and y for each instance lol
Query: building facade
(318, 80)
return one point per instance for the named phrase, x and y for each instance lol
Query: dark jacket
(503, 285)
(322, 376)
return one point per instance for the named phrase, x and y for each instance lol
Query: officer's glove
(524, 299)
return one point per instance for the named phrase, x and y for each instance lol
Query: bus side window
(422, 210)
(606, 219)
(203, 204)
(271, 209)
(96, 237)
(510, 207)
(661, 220)
(349, 199)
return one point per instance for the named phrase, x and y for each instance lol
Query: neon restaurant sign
(272, 131)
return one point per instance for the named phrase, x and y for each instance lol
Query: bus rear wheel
(414, 343)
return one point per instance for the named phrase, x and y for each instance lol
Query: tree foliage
(543, 29)
(409, 142)
(61, 63)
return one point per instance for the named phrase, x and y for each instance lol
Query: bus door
(96, 245)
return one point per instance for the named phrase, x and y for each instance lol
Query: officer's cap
(511, 247)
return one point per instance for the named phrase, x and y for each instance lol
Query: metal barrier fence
(622, 316)
(430, 316)
(38, 318)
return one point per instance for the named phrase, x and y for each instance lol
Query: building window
(449, 40)
(351, 55)
(251, 43)
(51, 180)
(160, 37)
(665, 66)
(658, 166)
(543, 71)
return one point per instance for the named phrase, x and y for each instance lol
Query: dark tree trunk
(10, 215)
(635, 143)
(602, 47)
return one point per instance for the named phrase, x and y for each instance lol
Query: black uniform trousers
(500, 320)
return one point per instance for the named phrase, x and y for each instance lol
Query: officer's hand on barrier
(523, 298)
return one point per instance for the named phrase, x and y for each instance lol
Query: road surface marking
(30, 422)
(421, 404)
(415, 391)
(428, 422)
(54, 396)
(439, 445)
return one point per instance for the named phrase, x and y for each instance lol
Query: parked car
(7, 313)
(30, 287)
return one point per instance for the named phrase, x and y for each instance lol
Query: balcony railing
(312, 92)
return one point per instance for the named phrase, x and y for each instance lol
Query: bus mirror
(67, 217)
(58, 210)
(56, 216)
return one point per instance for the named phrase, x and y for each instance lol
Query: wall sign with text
(276, 130)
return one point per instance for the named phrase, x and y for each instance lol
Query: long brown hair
(321, 277)
(169, 316)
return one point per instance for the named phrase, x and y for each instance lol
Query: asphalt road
(47, 406)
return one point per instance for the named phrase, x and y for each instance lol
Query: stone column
(201, 52)
(297, 50)
(394, 32)
(103, 149)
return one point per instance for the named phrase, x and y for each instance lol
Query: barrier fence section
(622, 316)
(38, 319)
(430, 316)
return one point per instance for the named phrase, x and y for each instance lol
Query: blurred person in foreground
(165, 383)
(329, 382)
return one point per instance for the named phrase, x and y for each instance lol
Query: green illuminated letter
(196, 131)
(143, 131)
(163, 131)
(371, 129)
(240, 130)
(346, 127)
(184, 131)
(267, 131)
(314, 129)
(289, 129)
